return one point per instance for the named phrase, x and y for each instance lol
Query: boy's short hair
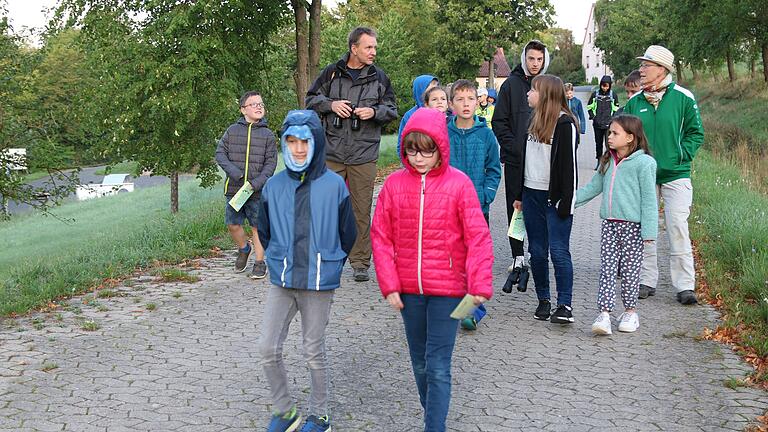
(535, 45)
(246, 95)
(633, 79)
(434, 89)
(357, 33)
(463, 84)
(568, 86)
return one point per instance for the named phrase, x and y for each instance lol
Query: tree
(307, 44)
(43, 153)
(169, 75)
(469, 33)
(566, 55)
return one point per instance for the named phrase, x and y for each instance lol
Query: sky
(570, 14)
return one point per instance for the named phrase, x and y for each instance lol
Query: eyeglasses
(647, 65)
(254, 105)
(424, 153)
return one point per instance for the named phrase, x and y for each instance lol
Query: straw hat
(659, 55)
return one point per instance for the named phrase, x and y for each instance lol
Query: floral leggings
(621, 254)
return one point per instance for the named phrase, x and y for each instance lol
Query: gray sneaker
(241, 262)
(687, 297)
(646, 291)
(361, 274)
(259, 270)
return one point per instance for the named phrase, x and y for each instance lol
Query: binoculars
(338, 121)
(518, 276)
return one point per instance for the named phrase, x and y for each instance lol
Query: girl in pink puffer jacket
(431, 247)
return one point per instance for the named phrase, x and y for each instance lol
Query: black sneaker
(241, 262)
(562, 315)
(646, 291)
(360, 274)
(687, 297)
(543, 310)
(259, 270)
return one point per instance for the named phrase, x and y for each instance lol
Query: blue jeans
(431, 334)
(548, 235)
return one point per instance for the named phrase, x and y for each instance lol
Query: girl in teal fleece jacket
(626, 177)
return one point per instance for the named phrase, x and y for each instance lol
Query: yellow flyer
(465, 308)
(241, 196)
(517, 226)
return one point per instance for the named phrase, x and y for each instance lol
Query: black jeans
(601, 135)
(509, 173)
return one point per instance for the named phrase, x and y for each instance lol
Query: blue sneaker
(286, 422)
(317, 424)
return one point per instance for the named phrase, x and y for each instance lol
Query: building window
(590, 37)
(587, 65)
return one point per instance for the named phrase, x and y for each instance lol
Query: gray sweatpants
(315, 309)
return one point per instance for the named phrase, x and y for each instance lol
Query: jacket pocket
(277, 261)
(329, 263)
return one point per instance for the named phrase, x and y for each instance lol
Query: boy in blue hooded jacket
(307, 228)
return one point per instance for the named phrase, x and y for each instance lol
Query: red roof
(501, 67)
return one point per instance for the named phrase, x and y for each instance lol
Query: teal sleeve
(594, 188)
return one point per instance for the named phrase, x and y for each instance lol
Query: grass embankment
(44, 258)
(730, 214)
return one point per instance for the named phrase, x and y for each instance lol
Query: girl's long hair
(631, 125)
(552, 101)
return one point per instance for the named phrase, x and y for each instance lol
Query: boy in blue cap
(307, 228)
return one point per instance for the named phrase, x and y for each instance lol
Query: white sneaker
(602, 324)
(629, 322)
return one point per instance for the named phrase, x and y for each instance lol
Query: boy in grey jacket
(247, 152)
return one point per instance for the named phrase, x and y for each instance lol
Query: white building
(591, 56)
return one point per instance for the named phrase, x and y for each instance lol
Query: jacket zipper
(421, 229)
(317, 280)
(285, 267)
(610, 190)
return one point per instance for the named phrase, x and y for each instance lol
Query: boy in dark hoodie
(247, 152)
(510, 125)
(307, 227)
(421, 84)
(601, 106)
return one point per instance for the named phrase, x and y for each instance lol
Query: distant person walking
(672, 123)
(354, 98)
(601, 106)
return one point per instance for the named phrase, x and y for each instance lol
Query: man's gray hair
(357, 33)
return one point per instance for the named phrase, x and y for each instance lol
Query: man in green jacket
(672, 123)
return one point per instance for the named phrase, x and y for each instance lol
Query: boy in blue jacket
(475, 152)
(421, 84)
(307, 228)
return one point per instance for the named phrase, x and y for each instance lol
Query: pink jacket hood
(430, 122)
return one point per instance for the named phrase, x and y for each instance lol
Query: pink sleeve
(382, 243)
(477, 239)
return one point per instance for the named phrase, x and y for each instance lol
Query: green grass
(388, 152)
(125, 167)
(730, 224)
(169, 274)
(44, 258)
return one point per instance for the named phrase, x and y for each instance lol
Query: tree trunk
(752, 66)
(695, 73)
(492, 73)
(729, 61)
(301, 76)
(174, 192)
(765, 61)
(315, 11)
(679, 66)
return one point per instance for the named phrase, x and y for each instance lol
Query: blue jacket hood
(420, 84)
(310, 119)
